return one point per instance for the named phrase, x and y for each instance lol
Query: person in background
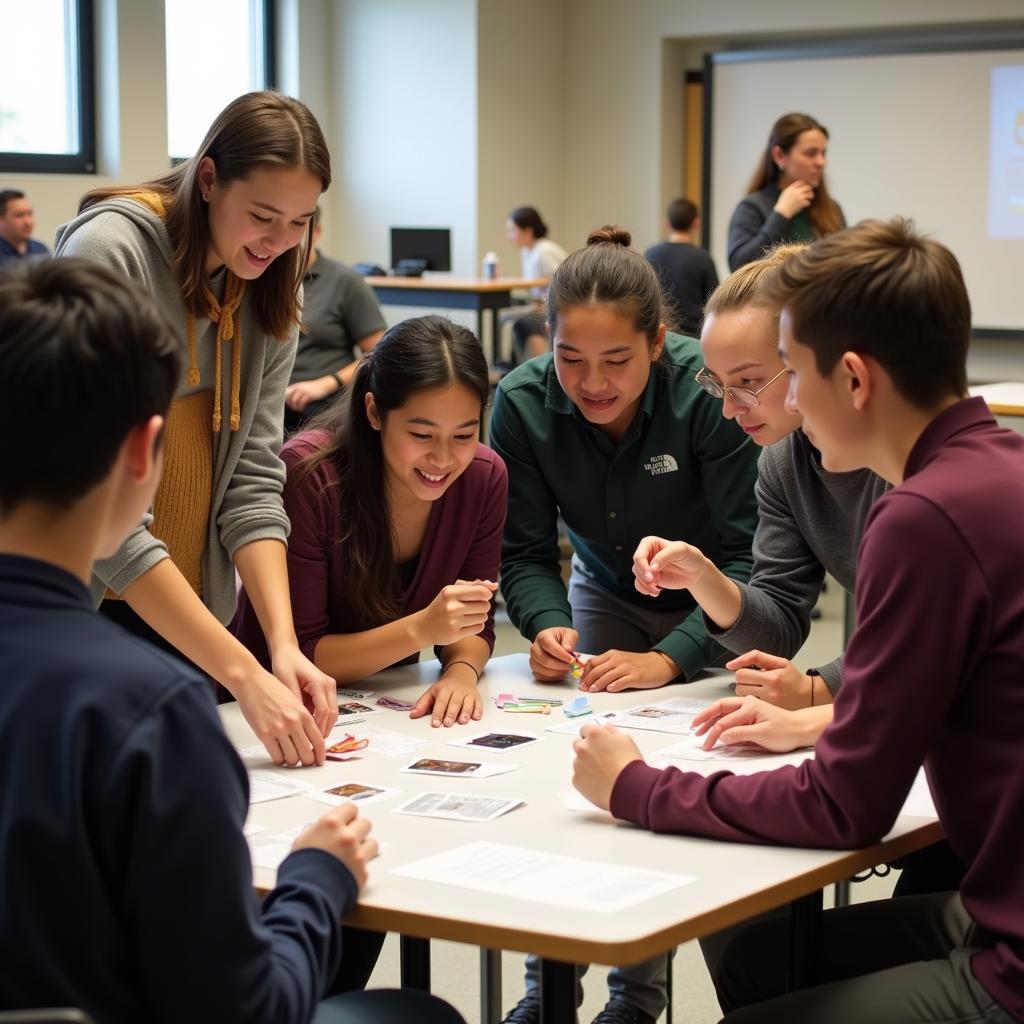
(540, 257)
(787, 198)
(125, 879)
(17, 222)
(686, 271)
(220, 241)
(340, 314)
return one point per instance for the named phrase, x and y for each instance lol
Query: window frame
(83, 161)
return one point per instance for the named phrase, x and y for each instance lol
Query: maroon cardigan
(463, 541)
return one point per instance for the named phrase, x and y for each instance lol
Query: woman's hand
(297, 396)
(794, 198)
(747, 721)
(458, 611)
(625, 670)
(601, 754)
(775, 680)
(278, 718)
(551, 653)
(318, 690)
(452, 699)
(666, 565)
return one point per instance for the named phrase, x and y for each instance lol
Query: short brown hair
(882, 290)
(258, 129)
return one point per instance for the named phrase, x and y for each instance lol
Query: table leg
(804, 941)
(557, 992)
(415, 961)
(490, 986)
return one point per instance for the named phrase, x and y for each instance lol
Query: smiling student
(397, 512)
(787, 198)
(612, 433)
(219, 241)
(931, 675)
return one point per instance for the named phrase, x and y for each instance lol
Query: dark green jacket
(681, 471)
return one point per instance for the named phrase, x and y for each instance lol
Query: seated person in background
(125, 879)
(539, 257)
(17, 222)
(397, 512)
(687, 272)
(339, 313)
(931, 676)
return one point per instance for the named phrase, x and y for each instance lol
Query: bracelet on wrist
(460, 661)
(814, 674)
(337, 376)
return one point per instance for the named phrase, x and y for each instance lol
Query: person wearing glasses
(611, 432)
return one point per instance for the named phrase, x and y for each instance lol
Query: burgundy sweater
(463, 541)
(934, 674)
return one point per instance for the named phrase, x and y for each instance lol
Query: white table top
(1006, 397)
(734, 881)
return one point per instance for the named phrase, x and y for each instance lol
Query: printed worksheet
(457, 806)
(267, 851)
(266, 785)
(691, 749)
(549, 878)
(673, 715)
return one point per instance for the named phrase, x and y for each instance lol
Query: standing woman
(397, 513)
(220, 241)
(611, 432)
(787, 198)
(539, 257)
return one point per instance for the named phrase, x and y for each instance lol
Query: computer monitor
(421, 248)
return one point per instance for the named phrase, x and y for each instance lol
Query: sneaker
(618, 1012)
(526, 1011)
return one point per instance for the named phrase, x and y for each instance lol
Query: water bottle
(490, 266)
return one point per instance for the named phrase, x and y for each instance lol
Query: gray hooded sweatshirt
(248, 475)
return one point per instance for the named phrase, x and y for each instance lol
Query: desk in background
(477, 294)
(1006, 400)
(734, 881)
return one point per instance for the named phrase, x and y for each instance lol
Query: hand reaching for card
(278, 718)
(601, 754)
(344, 834)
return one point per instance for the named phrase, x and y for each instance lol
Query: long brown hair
(823, 212)
(414, 355)
(259, 129)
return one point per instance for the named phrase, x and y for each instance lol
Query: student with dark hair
(17, 223)
(687, 272)
(787, 198)
(397, 513)
(931, 675)
(612, 433)
(220, 241)
(126, 881)
(340, 314)
(539, 257)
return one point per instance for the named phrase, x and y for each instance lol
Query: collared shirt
(339, 310)
(934, 674)
(8, 253)
(681, 471)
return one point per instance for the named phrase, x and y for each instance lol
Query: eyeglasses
(741, 396)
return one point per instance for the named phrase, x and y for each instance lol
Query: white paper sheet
(919, 799)
(573, 725)
(491, 741)
(674, 715)
(353, 693)
(690, 749)
(267, 851)
(548, 878)
(457, 806)
(457, 769)
(267, 785)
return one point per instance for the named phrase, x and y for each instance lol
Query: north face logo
(661, 464)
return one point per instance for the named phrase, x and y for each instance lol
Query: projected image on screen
(1006, 153)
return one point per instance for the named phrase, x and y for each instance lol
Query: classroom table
(733, 881)
(441, 292)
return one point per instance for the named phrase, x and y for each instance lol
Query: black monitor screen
(431, 244)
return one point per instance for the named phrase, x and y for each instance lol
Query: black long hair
(417, 354)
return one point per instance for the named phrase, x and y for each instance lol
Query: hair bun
(610, 234)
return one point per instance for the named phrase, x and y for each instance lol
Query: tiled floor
(455, 968)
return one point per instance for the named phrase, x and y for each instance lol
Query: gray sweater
(248, 476)
(810, 522)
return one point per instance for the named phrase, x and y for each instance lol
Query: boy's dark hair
(883, 290)
(6, 196)
(85, 356)
(681, 214)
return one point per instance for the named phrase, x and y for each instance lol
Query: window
(47, 119)
(215, 52)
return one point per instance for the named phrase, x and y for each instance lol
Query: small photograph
(354, 791)
(653, 711)
(430, 764)
(500, 740)
(353, 707)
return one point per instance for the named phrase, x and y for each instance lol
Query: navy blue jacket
(125, 881)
